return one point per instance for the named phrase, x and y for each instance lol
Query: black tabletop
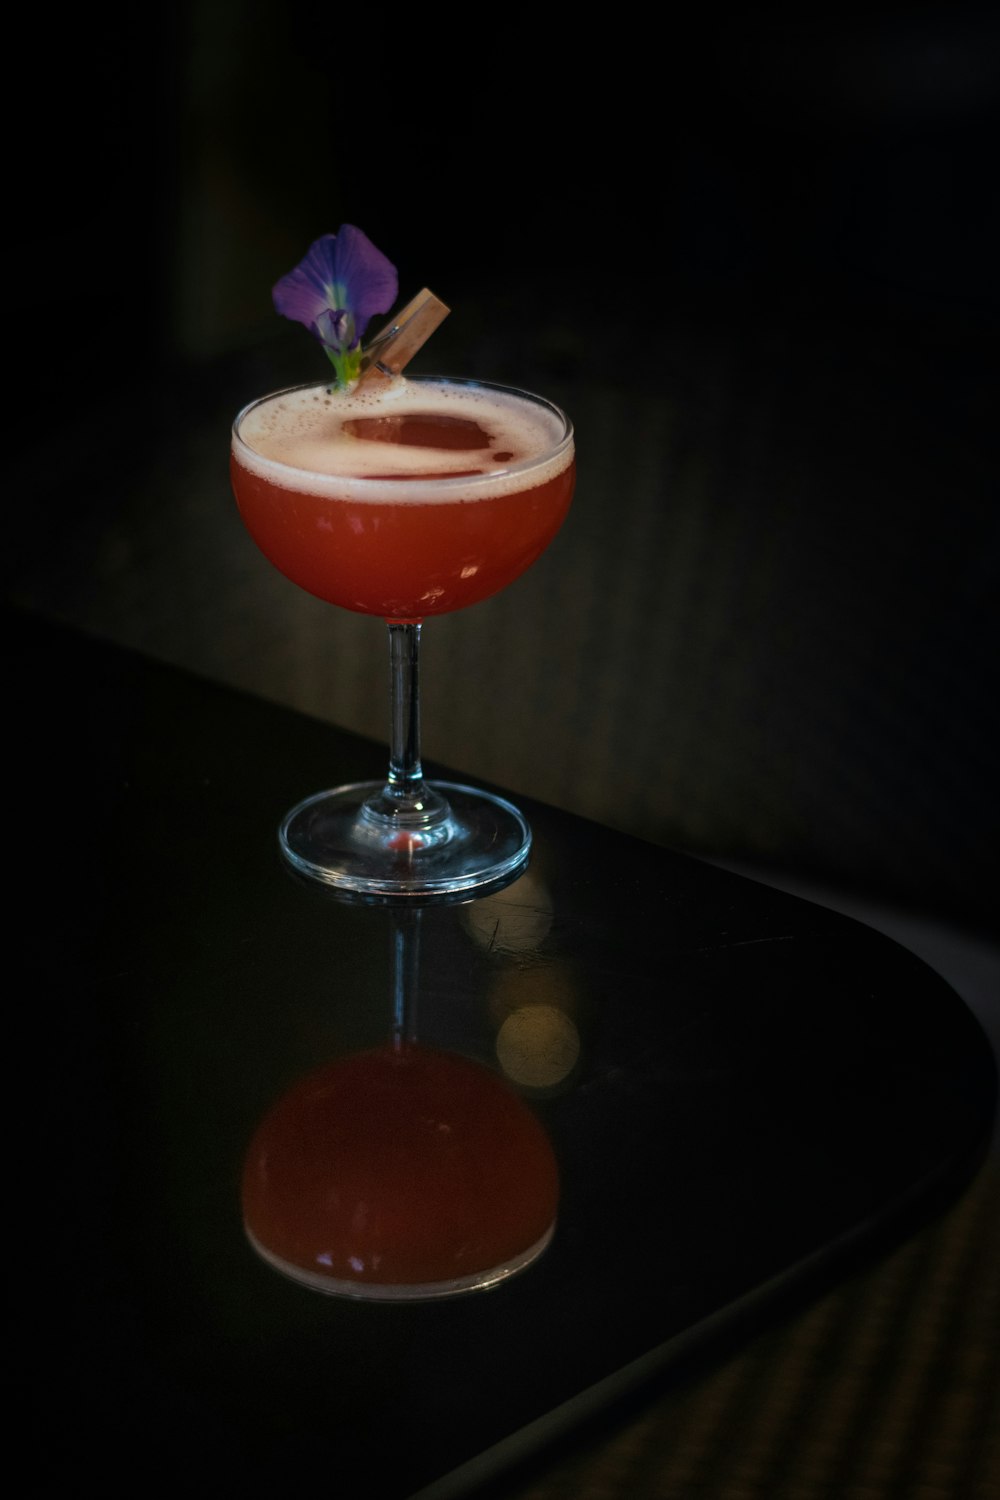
(744, 1093)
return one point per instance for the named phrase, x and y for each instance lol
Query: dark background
(757, 264)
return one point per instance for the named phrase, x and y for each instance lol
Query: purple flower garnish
(335, 290)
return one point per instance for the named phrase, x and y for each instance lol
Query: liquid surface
(414, 430)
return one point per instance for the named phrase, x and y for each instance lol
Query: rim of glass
(430, 487)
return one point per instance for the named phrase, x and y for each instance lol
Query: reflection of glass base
(374, 1291)
(336, 838)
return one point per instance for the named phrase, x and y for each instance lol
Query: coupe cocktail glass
(418, 499)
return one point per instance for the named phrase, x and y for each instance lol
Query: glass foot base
(333, 837)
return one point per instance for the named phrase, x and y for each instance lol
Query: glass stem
(406, 796)
(405, 771)
(405, 970)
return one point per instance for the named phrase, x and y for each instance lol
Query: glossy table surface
(744, 1093)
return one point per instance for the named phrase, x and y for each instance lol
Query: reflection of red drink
(400, 1172)
(408, 503)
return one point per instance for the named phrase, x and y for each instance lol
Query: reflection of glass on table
(402, 1172)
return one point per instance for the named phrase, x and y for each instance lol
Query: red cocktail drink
(419, 501)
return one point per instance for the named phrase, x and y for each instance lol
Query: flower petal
(304, 293)
(335, 330)
(340, 273)
(367, 276)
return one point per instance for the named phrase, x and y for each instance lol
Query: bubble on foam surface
(297, 439)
